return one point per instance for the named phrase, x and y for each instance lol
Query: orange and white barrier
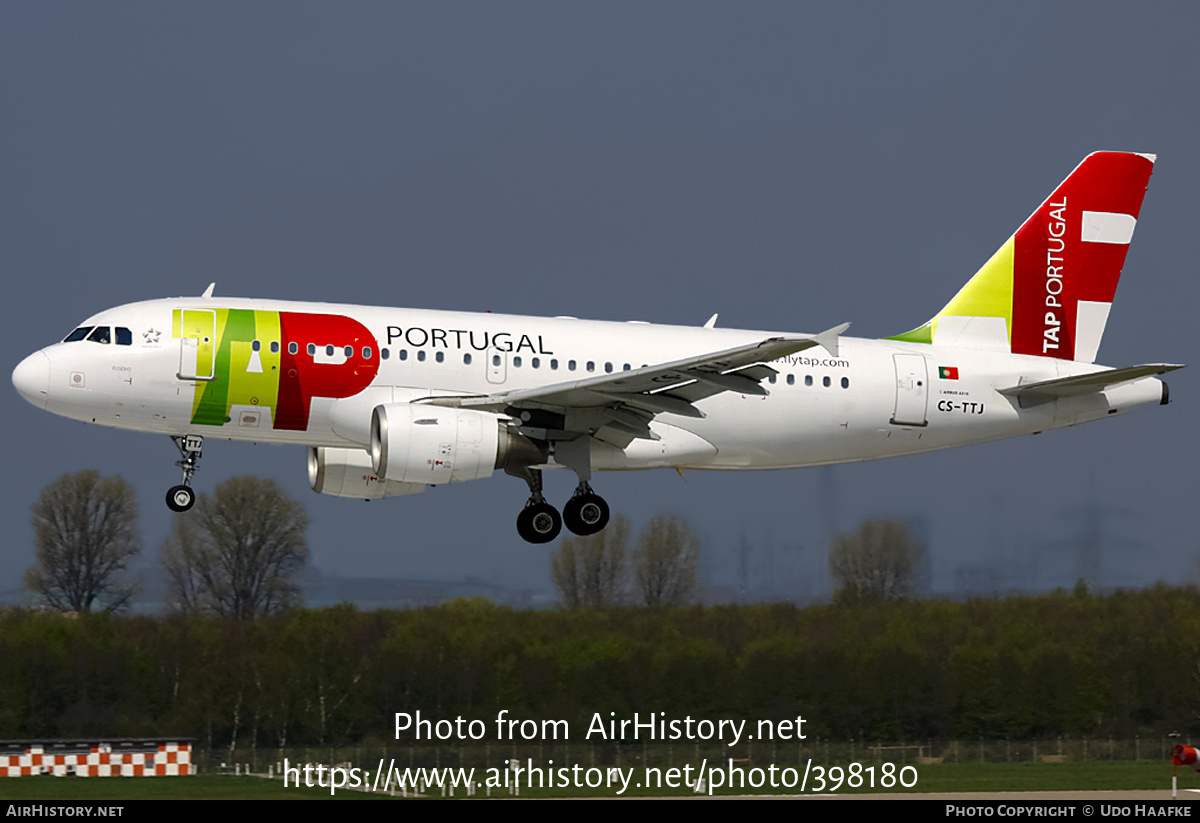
(99, 760)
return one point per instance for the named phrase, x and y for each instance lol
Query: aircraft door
(912, 390)
(197, 344)
(497, 366)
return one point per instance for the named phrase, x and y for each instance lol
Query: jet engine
(416, 443)
(348, 473)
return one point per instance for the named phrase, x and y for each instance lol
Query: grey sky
(790, 165)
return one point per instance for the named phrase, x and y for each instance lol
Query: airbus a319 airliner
(388, 401)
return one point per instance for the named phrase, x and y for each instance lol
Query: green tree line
(1059, 664)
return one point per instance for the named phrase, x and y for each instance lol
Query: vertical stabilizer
(1048, 289)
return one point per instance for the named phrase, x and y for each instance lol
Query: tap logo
(270, 362)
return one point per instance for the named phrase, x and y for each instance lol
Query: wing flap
(658, 403)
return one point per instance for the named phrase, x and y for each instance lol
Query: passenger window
(791, 379)
(274, 347)
(100, 335)
(825, 382)
(421, 355)
(312, 349)
(329, 351)
(570, 365)
(385, 353)
(404, 354)
(366, 352)
(625, 367)
(348, 351)
(771, 379)
(845, 382)
(293, 348)
(535, 362)
(517, 362)
(553, 365)
(124, 336)
(608, 367)
(466, 359)
(808, 379)
(255, 345)
(78, 334)
(591, 366)
(440, 356)
(495, 360)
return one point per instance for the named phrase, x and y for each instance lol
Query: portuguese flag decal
(948, 372)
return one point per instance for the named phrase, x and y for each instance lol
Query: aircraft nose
(32, 378)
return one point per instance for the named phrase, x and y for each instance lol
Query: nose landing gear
(181, 498)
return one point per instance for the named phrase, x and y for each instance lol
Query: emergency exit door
(197, 344)
(912, 390)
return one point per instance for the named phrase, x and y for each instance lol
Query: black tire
(539, 523)
(180, 498)
(586, 514)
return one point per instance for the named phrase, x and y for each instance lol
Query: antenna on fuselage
(712, 322)
(208, 291)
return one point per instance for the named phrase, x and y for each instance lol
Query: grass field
(946, 777)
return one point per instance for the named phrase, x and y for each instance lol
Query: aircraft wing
(623, 403)
(1047, 391)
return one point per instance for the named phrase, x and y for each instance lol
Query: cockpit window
(78, 334)
(124, 336)
(102, 334)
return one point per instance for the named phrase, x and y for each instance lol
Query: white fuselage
(875, 398)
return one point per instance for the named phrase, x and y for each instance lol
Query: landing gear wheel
(586, 514)
(539, 523)
(180, 498)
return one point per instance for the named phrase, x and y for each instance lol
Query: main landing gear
(181, 498)
(586, 512)
(539, 522)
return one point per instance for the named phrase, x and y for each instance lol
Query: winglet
(208, 292)
(712, 322)
(828, 339)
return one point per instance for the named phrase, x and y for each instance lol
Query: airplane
(389, 401)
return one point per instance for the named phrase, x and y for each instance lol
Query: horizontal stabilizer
(1047, 391)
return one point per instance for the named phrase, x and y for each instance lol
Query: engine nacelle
(348, 473)
(416, 443)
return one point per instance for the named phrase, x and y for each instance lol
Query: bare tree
(591, 571)
(239, 552)
(666, 562)
(85, 531)
(877, 561)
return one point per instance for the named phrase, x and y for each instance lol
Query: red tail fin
(1048, 289)
(1068, 256)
